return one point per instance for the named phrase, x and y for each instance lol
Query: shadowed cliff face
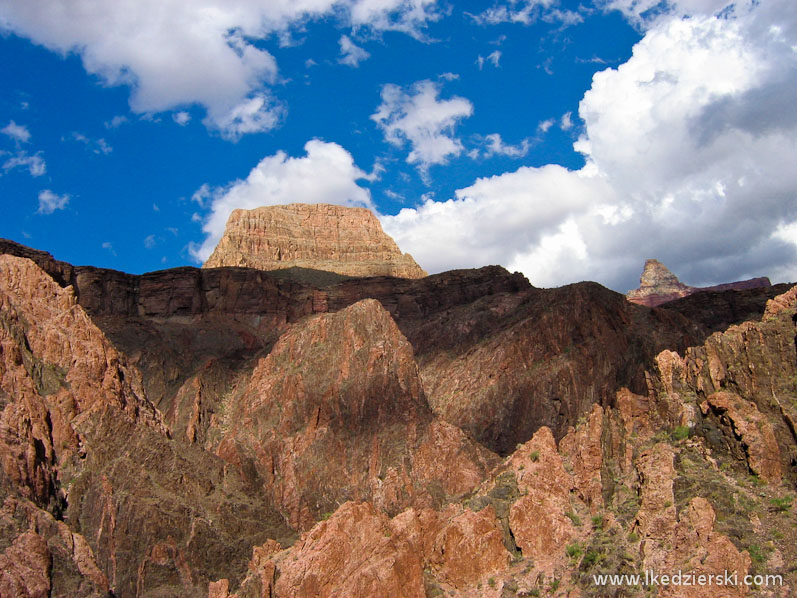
(498, 358)
(170, 434)
(336, 412)
(692, 476)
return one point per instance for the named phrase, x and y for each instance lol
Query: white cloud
(174, 53)
(567, 121)
(150, 241)
(690, 149)
(418, 117)
(543, 126)
(408, 16)
(350, 53)
(526, 12)
(98, 146)
(497, 220)
(49, 202)
(497, 147)
(182, 118)
(253, 115)
(493, 57)
(116, 122)
(325, 174)
(18, 133)
(35, 163)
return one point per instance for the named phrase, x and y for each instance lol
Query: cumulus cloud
(49, 202)
(350, 53)
(690, 149)
(18, 133)
(496, 220)
(325, 174)
(416, 116)
(173, 53)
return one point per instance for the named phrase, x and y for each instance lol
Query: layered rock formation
(658, 285)
(230, 432)
(349, 241)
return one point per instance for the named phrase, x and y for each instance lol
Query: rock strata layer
(658, 285)
(348, 241)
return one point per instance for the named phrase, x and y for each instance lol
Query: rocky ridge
(345, 240)
(653, 483)
(658, 286)
(264, 437)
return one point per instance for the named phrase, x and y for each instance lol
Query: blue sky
(567, 140)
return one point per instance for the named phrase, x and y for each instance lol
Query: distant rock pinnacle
(333, 238)
(658, 285)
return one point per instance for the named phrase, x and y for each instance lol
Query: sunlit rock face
(348, 241)
(658, 285)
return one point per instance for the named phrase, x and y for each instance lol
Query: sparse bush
(680, 432)
(574, 550)
(757, 554)
(782, 504)
(534, 456)
(570, 514)
(598, 521)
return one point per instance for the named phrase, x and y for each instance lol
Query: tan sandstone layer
(339, 239)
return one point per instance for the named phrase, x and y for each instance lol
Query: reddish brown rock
(336, 412)
(348, 241)
(354, 553)
(24, 568)
(584, 451)
(753, 431)
(656, 520)
(698, 549)
(469, 548)
(536, 356)
(544, 361)
(537, 520)
(359, 552)
(754, 360)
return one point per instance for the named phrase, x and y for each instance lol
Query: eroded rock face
(348, 241)
(755, 435)
(306, 404)
(658, 285)
(336, 412)
(537, 519)
(360, 552)
(81, 443)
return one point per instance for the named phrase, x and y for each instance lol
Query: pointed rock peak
(657, 274)
(657, 285)
(345, 240)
